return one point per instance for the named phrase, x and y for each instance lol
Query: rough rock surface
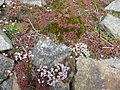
(47, 53)
(6, 66)
(1, 2)
(115, 6)
(5, 42)
(112, 62)
(8, 1)
(111, 24)
(61, 86)
(96, 75)
(10, 84)
(34, 2)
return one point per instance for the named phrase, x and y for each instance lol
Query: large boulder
(97, 74)
(5, 42)
(6, 66)
(111, 24)
(115, 6)
(48, 53)
(34, 2)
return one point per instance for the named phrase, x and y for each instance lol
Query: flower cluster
(82, 49)
(53, 75)
(21, 55)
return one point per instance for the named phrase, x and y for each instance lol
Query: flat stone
(111, 24)
(96, 75)
(6, 66)
(115, 6)
(47, 53)
(61, 86)
(5, 42)
(34, 2)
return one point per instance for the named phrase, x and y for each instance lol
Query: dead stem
(33, 27)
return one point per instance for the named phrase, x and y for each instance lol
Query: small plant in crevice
(81, 49)
(43, 79)
(25, 79)
(106, 35)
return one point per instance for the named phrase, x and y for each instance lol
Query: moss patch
(12, 29)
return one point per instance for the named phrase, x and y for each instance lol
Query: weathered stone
(5, 42)
(6, 66)
(61, 86)
(115, 6)
(112, 62)
(111, 24)
(47, 53)
(1, 2)
(96, 75)
(34, 2)
(8, 1)
(10, 84)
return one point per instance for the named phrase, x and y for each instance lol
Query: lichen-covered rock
(111, 24)
(5, 42)
(96, 75)
(115, 6)
(47, 53)
(6, 66)
(34, 2)
(61, 86)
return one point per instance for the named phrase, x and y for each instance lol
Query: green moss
(58, 31)
(58, 6)
(12, 29)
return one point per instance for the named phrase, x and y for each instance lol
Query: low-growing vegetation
(71, 22)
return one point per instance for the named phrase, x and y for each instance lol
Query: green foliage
(13, 19)
(92, 54)
(12, 29)
(110, 38)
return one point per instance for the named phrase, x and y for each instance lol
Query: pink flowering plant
(53, 75)
(71, 22)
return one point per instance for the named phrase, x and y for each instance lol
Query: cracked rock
(6, 66)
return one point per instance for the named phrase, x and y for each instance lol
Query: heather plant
(24, 77)
(101, 47)
(43, 78)
(72, 22)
